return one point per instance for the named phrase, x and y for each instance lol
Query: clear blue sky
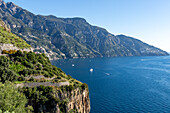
(147, 20)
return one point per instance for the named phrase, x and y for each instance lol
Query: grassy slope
(10, 38)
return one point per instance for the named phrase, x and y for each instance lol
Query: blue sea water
(124, 84)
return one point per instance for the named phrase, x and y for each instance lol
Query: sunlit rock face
(76, 101)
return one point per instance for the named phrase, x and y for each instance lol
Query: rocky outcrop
(78, 100)
(75, 101)
(2, 24)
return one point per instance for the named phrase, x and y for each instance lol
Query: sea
(123, 84)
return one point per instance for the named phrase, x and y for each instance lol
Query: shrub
(7, 75)
(39, 67)
(69, 88)
(24, 72)
(31, 56)
(21, 78)
(5, 52)
(46, 74)
(12, 51)
(32, 79)
(4, 61)
(29, 109)
(11, 99)
(19, 53)
(69, 77)
(84, 86)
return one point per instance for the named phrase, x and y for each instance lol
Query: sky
(147, 20)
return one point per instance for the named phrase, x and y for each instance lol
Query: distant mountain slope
(70, 37)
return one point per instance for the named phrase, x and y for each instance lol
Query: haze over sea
(124, 84)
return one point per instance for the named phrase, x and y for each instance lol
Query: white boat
(107, 73)
(72, 64)
(91, 70)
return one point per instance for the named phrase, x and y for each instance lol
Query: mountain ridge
(71, 37)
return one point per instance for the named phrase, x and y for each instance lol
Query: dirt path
(39, 77)
(36, 84)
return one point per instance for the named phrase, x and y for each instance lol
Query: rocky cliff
(67, 102)
(78, 100)
(71, 37)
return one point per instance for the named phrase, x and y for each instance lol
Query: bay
(123, 84)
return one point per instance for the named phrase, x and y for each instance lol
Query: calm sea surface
(124, 84)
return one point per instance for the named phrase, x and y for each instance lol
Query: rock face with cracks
(75, 101)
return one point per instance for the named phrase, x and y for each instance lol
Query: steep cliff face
(78, 100)
(67, 102)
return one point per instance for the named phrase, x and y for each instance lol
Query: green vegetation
(24, 67)
(20, 65)
(18, 68)
(9, 52)
(84, 86)
(10, 38)
(40, 96)
(73, 111)
(11, 99)
(46, 95)
(28, 81)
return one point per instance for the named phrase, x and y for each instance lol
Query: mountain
(70, 37)
(29, 83)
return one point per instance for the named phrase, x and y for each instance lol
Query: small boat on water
(107, 73)
(91, 70)
(73, 65)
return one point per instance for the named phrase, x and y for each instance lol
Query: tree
(4, 61)
(31, 56)
(7, 75)
(11, 99)
(19, 53)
